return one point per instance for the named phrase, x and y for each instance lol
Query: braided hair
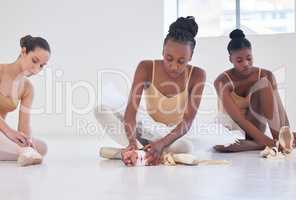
(183, 30)
(238, 41)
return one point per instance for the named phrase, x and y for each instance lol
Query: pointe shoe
(186, 159)
(167, 158)
(115, 153)
(110, 153)
(29, 156)
(271, 153)
(286, 139)
(189, 159)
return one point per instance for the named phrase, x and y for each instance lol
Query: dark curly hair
(238, 41)
(183, 30)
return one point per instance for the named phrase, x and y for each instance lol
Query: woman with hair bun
(249, 100)
(16, 89)
(172, 90)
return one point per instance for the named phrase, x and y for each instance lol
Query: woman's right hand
(18, 137)
(129, 154)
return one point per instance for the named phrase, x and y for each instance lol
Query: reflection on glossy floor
(72, 170)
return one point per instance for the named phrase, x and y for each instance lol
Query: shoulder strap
(153, 69)
(259, 74)
(189, 77)
(227, 75)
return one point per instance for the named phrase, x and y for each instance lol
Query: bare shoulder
(198, 76)
(28, 88)
(266, 73)
(144, 70)
(222, 78)
(1, 69)
(270, 76)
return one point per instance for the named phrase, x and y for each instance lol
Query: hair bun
(186, 25)
(25, 41)
(237, 34)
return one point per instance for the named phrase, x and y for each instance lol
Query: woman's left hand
(153, 153)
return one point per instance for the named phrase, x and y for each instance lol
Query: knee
(269, 113)
(100, 110)
(104, 111)
(181, 146)
(261, 85)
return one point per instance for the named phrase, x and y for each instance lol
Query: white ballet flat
(286, 139)
(29, 156)
(169, 159)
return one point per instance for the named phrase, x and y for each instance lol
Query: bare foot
(242, 145)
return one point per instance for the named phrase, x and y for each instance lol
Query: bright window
(216, 18)
(267, 16)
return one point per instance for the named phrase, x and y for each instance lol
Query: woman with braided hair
(172, 89)
(249, 100)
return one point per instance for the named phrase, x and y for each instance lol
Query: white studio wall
(85, 37)
(272, 52)
(90, 36)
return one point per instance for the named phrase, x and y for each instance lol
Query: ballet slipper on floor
(168, 159)
(286, 140)
(272, 153)
(111, 153)
(189, 159)
(116, 154)
(29, 156)
(284, 146)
